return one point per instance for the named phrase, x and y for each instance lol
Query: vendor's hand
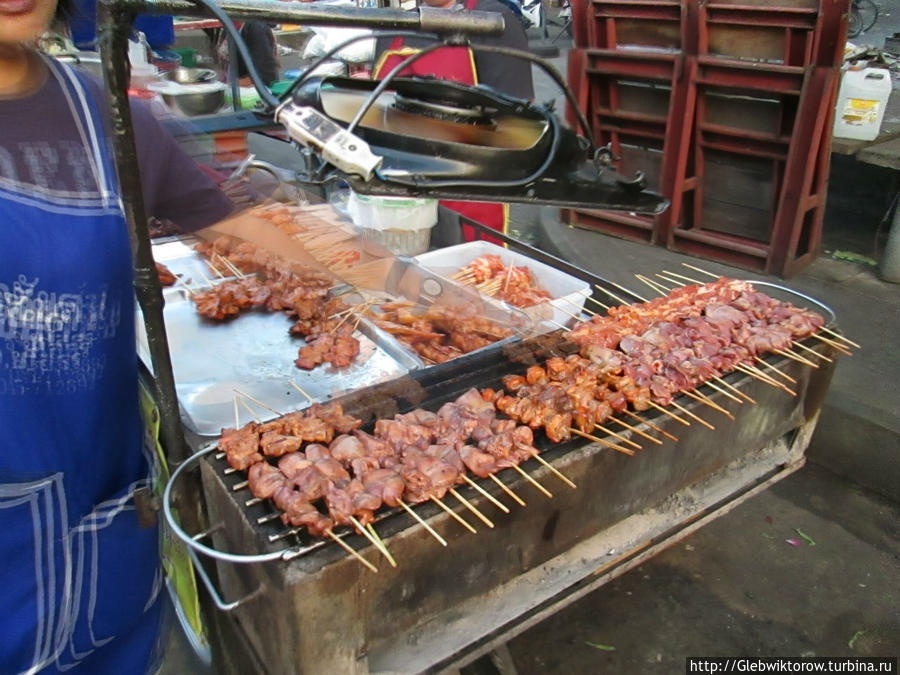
(249, 227)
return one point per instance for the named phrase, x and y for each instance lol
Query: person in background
(259, 37)
(460, 64)
(82, 20)
(80, 575)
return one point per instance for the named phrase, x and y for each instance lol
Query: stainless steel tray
(252, 353)
(403, 278)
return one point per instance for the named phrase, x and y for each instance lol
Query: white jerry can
(861, 102)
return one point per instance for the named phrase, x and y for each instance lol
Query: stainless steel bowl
(193, 103)
(192, 91)
(183, 75)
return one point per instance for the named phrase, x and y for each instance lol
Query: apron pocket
(117, 563)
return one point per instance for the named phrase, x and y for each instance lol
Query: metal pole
(233, 70)
(114, 25)
(427, 19)
(889, 269)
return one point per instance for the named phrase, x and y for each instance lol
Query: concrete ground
(738, 588)
(809, 567)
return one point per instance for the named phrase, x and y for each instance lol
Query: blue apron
(80, 576)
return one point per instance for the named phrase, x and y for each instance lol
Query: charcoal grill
(300, 605)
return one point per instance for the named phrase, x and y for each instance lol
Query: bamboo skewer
(773, 368)
(626, 290)
(697, 396)
(761, 376)
(508, 276)
(379, 544)
(837, 345)
(773, 381)
(257, 402)
(619, 436)
(693, 416)
(406, 507)
(508, 490)
(558, 325)
(796, 357)
(205, 280)
(553, 470)
(653, 426)
(671, 281)
(725, 392)
(240, 486)
(588, 296)
(253, 501)
(812, 351)
(637, 431)
(267, 518)
(734, 389)
(215, 270)
(611, 294)
(681, 276)
(296, 386)
(231, 266)
(565, 311)
(453, 514)
(250, 410)
(669, 413)
(697, 269)
(531, 480)
(653, 283)
(487, 495)
(613, 446)
(184, 286)
(469, 505)
(575, 304)
(343, 544)
(659, 288)
(842, 337)
(237, 418)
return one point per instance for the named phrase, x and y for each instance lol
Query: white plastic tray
(567, 291)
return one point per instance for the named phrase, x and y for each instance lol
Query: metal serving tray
(252, 353)
(403, 278)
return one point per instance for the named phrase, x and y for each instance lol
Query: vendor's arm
(261, 232)
(174, 186)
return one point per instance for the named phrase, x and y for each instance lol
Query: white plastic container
(861, 103)
(568, 292)
(401, 225)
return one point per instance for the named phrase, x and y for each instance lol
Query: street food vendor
(81, 577)
(460, 64)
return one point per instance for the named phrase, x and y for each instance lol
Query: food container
(203, 98)
(401, 225)
(568, 292)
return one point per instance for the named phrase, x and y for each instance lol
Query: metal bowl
(193, 103)
(183, 75)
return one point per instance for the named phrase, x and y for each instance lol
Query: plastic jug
(861, 103)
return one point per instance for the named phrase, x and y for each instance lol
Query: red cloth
(455, 64)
